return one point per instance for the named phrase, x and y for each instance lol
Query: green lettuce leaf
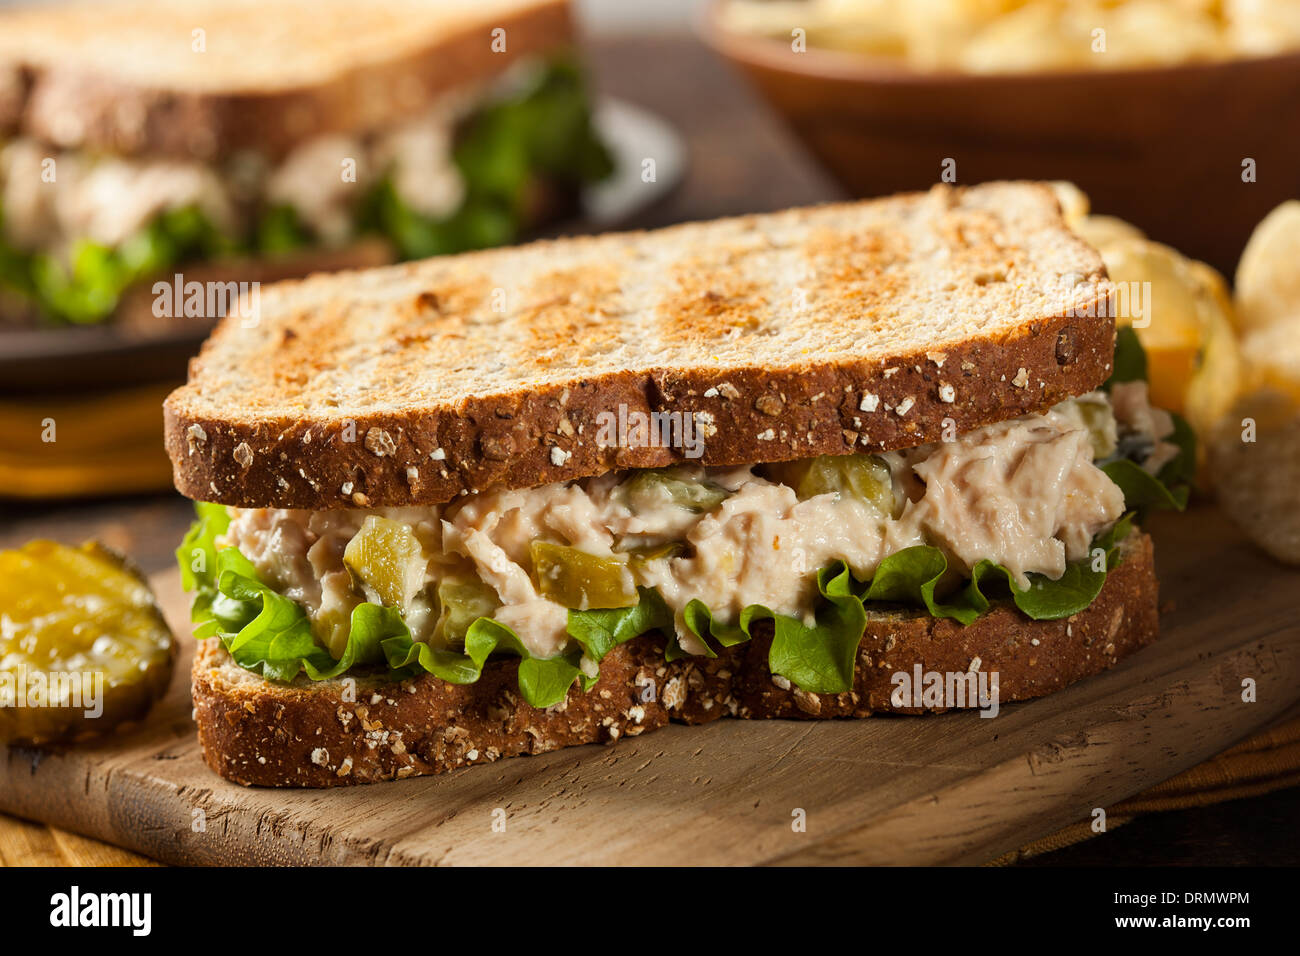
(271, 635)
(1142, 490)
(501, 153)
(280, 230)
(599, 631)
(819, 658)
(85, 287)
(1130, 363)
(1172, 487)
(542, 681)
(914, 575)
(1182, 469)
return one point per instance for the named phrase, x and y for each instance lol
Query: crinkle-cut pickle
(66, 610)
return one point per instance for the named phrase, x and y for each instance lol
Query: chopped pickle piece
(1099, 419)
(865, 477)
(639, 557)
(386, 558)
(83, 645)
(651, 488)
(461, 602)
(581, 581)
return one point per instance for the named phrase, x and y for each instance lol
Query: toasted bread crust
(431, 451)
(74, 107)
(302, 735)
(506, 441)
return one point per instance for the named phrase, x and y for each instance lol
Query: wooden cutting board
(947, 789)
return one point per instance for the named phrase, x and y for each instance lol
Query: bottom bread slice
(363, 730)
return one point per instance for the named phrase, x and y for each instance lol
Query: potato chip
(1102, 231)
(1255, 463)
(1156, 32)
(1268, 275)
(1038, 36)
(1164, 301)
(1262, 27)
(1074, 202)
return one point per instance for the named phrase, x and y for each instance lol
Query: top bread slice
(863, 326)
(203, 79)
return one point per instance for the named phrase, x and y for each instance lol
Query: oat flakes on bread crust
(302, 734)
(123, 76)
(848, 327)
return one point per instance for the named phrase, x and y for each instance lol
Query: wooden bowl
(1161, 147)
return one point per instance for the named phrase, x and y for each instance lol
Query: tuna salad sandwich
(139, 138)
(510, 501)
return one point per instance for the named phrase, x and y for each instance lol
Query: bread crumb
(781, 682)
(905, 406)
(947, 393)
(243, 455)
(320, 756)
(559, 456)
(938, 358)
(870, 402)
(768, 435)
(1021, 379)
(438, 455)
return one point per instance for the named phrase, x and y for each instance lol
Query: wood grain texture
(948, 789)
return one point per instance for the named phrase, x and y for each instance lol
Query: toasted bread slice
(207, 78)
(862, 326)
(337, 732)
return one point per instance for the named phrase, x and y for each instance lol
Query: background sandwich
(457, 510)
(138, 136)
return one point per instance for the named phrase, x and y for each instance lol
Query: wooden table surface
(741, 160)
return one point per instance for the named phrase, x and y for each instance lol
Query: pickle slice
(581, 581)
(653, 488)
(386, 558)
(864, 477)
(461, 602)
(83, 645)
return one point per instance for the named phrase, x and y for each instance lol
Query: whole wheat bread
(332, 733)
(128, 77)
(860, 326)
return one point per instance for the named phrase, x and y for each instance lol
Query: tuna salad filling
(1024, 510)
(77, 229)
